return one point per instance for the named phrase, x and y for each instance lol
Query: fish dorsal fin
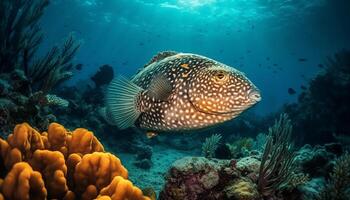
(160, 87)
(160, 56)
(122, 102)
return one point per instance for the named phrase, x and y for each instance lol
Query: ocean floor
(162, 158)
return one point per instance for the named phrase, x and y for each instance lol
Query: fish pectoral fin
(122, 102)
(160, 88)
(151, 134)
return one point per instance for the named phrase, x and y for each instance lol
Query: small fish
(291, 91)
(320, 66)
(267, 58)
(303, 87)
(302, 59)
(179, 92)
(275, 65)
(79, 66)
(141, 44)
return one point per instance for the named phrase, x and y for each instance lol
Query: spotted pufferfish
(179, 92)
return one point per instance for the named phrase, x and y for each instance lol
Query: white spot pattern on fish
(202, 92)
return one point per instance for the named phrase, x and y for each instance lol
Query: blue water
(262, 38)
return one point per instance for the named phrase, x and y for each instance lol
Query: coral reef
(267, 175)
(316, 161)
(59, 164)
(25, 80)
(322, 110)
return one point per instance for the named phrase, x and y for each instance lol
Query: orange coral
(53, 168)
(120, 189)
(97, 170)
(59, 164)
(22, 179)
(84, 141)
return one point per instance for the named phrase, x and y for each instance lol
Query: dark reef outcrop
(323, 110)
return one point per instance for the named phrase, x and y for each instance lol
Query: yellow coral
(60, 164)
(242, 190)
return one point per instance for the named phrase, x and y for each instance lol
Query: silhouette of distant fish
(267, 58)
(179, 91)
(302, 59)
(79, 66)
(320, 66)
(275, 64)
(303, 87)
(291, 91)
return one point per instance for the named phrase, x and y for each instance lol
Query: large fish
(180, 91)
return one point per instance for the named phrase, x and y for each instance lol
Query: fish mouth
(254, 95)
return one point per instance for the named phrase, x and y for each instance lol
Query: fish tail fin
(122, 96)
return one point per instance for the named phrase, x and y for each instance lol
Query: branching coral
(277, 160)
(210, 145)
(59, 164)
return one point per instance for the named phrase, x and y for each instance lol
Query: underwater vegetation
(26, 80)
(59, 164)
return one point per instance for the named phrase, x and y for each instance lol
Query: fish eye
(220, 76)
